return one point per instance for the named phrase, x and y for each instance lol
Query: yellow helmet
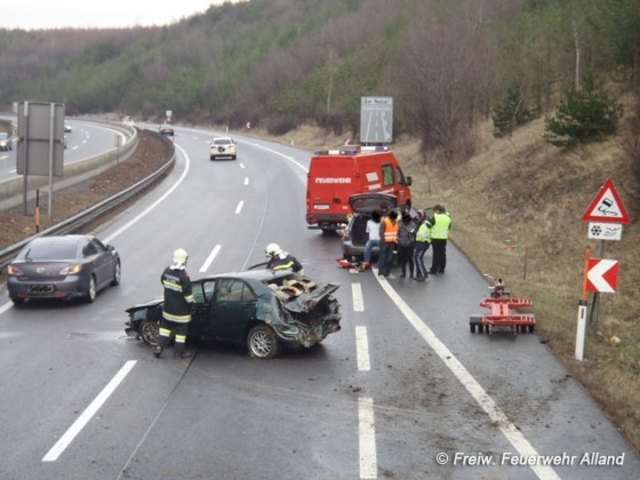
(272, 249)
(180, 257)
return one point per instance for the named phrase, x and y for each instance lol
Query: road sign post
(376, 120)
(582, 310)
(40, 143)
(606, 214)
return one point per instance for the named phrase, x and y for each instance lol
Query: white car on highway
(5, 142)
(222, 147)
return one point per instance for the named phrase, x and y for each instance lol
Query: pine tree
(510, 113)
(587, 114)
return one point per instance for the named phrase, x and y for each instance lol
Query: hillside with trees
(510, 112)
(282, 63)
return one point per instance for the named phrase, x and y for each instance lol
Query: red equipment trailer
(503, 313)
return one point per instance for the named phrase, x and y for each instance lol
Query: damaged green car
(261, 310)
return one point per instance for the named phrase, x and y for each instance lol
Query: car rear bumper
(71, 287)
(349, 249)
(326, 220)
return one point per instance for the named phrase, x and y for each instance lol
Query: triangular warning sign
(607, 206)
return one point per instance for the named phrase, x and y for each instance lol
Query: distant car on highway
(223, 147)
(5, 142)
(166, 129)
(259, 309)
(62, 267)
(67, 128)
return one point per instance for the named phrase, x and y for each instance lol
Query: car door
(95, 251)
(232, 308)
(203, 292)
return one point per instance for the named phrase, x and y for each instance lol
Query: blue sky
(38, 14)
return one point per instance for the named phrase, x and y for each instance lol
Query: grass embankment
(516, 209)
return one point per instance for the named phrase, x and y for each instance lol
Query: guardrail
(85, 217)
(12, 190)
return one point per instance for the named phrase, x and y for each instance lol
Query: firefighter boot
(182, 354)
(181, 350)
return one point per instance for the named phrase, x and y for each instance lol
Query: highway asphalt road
(85, 140)
(403, 391)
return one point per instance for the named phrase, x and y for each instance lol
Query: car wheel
(91, 291)
(117, 274)
(262, 342)
(17, 301)
(233, 157)
(149, 331)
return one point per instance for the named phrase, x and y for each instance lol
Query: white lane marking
(4, 335)
(156, 203)
(287, 157)
(241, 165)
(239, 207)
(494, 412)
(246, 180)
(77, 426)
(362, 349)
(207, 263)
(5, 307)
(356, 294)
(367, 436)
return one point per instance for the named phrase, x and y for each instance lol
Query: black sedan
(64, 266)
(258, 309)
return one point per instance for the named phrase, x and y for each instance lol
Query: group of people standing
(411, 236)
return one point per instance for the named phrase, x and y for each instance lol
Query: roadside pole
(606, 214)
(583, 305)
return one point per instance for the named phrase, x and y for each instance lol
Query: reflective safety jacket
(389, 230)
(441, 226)
(287, 262)
(178, 296)
(423, 234)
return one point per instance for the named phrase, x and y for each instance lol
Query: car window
(387, 175)
(232, 290)
(50, 250)
(198, 293)
(98, 245)
(222, 141)
(209, 287)
(89, 249)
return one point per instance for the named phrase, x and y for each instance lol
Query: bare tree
(445, 83)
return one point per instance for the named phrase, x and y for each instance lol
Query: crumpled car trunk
(312, 312)
(302, 296)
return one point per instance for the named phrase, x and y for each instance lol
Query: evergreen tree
(587, 114)
(510, 113)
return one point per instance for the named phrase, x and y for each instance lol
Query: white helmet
(272, 250)
(180, 257)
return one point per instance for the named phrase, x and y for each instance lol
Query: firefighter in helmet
(277, 259)
(178, 302)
